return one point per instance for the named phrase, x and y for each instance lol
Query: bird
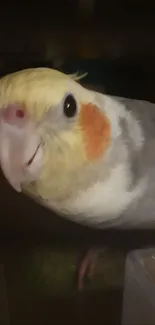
(86, 155)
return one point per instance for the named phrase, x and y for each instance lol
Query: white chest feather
(104, 201)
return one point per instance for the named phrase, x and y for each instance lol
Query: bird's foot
(87, 267)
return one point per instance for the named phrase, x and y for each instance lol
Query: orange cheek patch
(96, 131)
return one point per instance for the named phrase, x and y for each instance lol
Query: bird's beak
(20, 147)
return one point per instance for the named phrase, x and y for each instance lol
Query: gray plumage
(140, 213)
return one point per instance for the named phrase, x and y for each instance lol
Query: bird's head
(52, 131)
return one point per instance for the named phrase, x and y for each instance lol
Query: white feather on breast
(104, 201)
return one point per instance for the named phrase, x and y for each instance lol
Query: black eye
(70, 106)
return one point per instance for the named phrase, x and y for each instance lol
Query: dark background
(114, 42)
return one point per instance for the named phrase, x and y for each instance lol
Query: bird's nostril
(20, 113)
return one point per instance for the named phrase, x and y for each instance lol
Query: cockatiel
(86, 155)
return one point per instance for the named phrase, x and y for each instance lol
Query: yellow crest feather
(75, 76)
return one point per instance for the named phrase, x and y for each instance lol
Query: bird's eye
(70, 106)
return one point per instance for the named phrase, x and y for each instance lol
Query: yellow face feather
(36, 89)
(69, 147)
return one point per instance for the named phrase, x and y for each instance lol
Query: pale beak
(21, 150)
